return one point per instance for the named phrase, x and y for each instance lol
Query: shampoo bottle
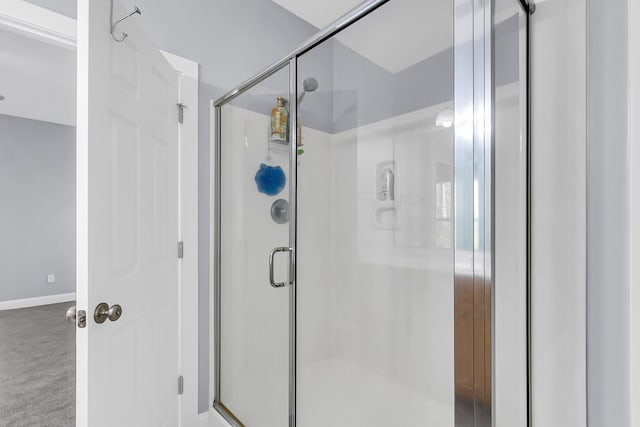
(279, 121)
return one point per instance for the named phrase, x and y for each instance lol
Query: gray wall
(37, 217)
(607, 216)
(354, 91)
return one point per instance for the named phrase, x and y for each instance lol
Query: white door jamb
(188, 232)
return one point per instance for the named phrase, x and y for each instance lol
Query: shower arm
(529, 6)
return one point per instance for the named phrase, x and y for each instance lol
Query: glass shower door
(364, 256)
(252, 301)
(375, 254)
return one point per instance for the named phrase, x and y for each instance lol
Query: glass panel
(254, 359)
(510, 139)
(375, 298)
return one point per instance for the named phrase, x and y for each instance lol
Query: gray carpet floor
(37, 367)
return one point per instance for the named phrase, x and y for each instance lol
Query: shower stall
(370, 236)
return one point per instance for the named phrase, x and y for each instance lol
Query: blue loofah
(270, 179)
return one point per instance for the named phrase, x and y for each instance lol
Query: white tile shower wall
(315, 269)
(393, 288)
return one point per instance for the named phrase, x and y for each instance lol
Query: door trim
(29, 20)
(33, 21)
(188, 233)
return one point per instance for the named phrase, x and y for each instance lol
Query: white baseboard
(203, 419)
(36, 301)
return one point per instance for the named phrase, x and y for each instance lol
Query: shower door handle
(272, 281)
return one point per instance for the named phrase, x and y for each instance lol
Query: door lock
(79, 315)
(104, 312)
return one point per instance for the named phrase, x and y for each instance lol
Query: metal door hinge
(180, 250)
(180, 384)
(181, 108)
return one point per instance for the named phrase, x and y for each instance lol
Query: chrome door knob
(71, 314)
(104, 312)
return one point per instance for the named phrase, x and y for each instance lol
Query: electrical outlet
(51, 278)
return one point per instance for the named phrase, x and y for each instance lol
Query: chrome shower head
(310, 84)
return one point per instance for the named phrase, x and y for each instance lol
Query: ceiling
(37, 79)
(401, 34)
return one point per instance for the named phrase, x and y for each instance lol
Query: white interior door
(127, 216)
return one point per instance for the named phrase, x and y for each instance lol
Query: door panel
(127, 224)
